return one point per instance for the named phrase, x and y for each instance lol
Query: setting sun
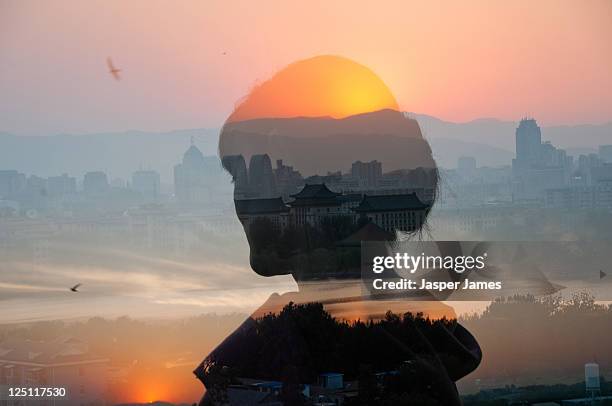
(320, 86)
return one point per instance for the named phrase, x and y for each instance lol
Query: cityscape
(542, 192)
(468, 198)
(305, 203)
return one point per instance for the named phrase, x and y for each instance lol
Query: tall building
(288, 180)
(36, 186)
(585, 166)
(11, 183)
(146, 183)
(61, 185)
(538, 166)
(262, 183)
(236, 166)
(95, 183)
(368, 173)
(605, 153)
(528, 143)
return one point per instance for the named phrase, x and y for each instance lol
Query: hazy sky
(456, 60)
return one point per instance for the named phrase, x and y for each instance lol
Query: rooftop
(316, 191)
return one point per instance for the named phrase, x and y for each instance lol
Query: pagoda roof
(315, 191)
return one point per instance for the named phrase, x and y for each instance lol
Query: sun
(321, 86)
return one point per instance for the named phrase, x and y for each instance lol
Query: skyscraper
(528, 144)
(262, 182)
(236, 166)
(368, 173)
(538, 166)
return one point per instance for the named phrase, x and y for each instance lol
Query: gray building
(262, 183)
(367, 173)
(11, 183)
(95, 183)
(605, 153)
(61, 185)
(146, 183)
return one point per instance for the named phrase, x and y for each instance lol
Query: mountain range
(490, 141)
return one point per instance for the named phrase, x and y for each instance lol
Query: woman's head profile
(321, 159)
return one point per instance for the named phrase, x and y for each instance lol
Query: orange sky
(321, 86)
(455, 60)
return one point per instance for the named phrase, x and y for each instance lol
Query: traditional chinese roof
(383, 203)
(318, 191)
(315, 194)
(261, 206)
(351, 197)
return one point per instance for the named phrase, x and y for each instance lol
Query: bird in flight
(75, 287)
(112, 70)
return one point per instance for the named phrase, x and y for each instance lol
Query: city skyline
(532, 156)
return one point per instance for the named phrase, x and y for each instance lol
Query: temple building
(315, 202)
(394, 212)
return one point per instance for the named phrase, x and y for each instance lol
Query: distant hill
(317, 145)
(498, 133)
(491, 141)
(382, 122)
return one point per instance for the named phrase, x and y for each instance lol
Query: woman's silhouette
(356, 174)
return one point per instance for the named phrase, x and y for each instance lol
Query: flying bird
(112, 70)
(75, 287)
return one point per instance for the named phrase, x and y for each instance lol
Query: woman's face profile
(322, 159)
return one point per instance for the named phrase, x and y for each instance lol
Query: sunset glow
(320, 86)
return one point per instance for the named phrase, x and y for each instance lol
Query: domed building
(190, 184)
